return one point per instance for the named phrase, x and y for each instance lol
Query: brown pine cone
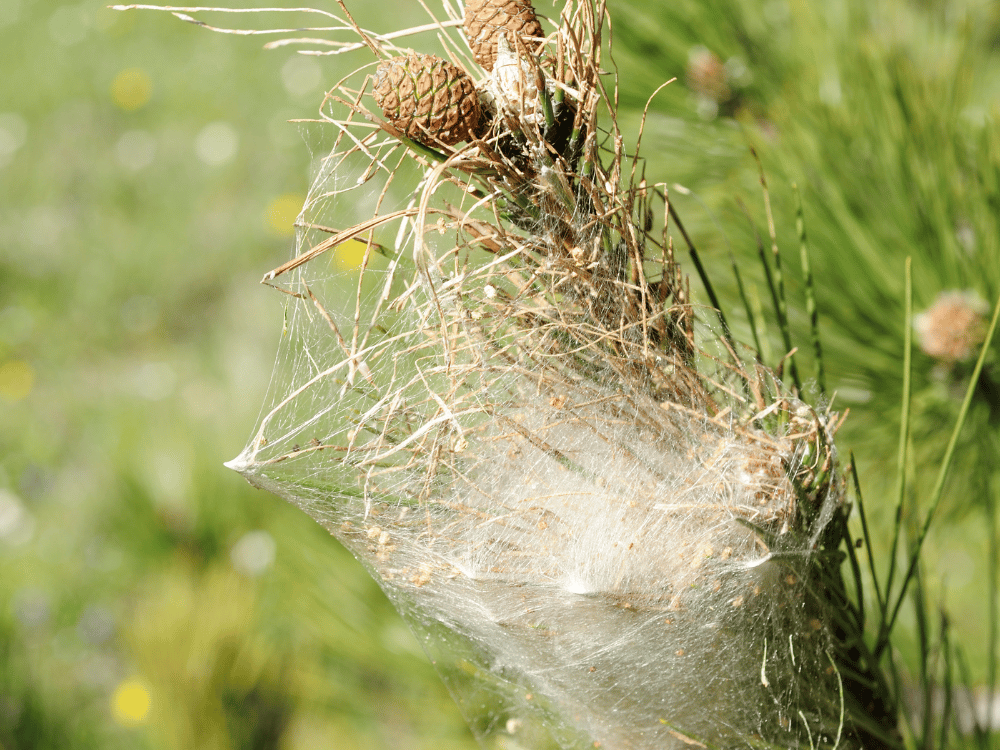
(428, 98)
(486, 19)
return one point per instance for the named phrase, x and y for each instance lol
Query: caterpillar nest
(608, 525)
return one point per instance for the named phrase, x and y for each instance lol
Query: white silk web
(607, 526)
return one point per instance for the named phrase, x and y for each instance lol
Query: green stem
(703, 275)
(904, 434)
(948, 682)
(778, 289)
(867, 536)
(938, 492)
(811, 308)
(758, 351)
(993, 565)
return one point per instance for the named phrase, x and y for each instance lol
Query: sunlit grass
(135, 344)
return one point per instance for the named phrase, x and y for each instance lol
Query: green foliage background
(136, 344)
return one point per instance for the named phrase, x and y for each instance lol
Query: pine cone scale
(485, 20)
(428, 98)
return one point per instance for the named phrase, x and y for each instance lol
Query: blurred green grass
(146, 175)
(148, 596)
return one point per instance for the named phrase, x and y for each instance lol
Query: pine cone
(428, 98)
(486, 19)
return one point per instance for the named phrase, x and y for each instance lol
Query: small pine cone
(428, 98)
(486, 19)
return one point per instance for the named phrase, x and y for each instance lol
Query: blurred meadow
(148, 596)
(149, 177)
